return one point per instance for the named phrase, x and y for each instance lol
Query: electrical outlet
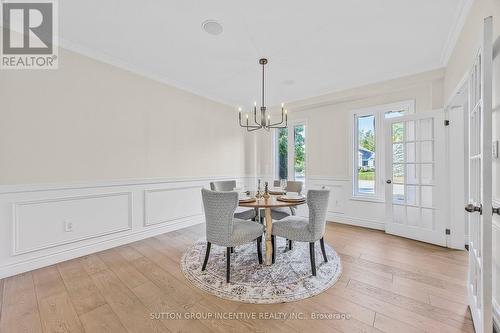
(495, 149)
(69, 226)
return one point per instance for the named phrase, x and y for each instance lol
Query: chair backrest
(224, 185)
(317, 200)
(294, 186)
(291, 185)
(219, 212)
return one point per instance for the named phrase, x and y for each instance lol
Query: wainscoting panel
(47, 223)
(44, 224)
(172, 204)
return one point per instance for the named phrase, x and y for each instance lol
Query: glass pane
(398, 194)
(413, 195)
(426, 129)
(410, 152)
(412, 174)
(282, 150)
(398, 173)
(427, 197)
(427, 174)
(299, 164)
(410, 130)
(397, 132)
(426, 151)
(398, 153)
(413, 215)
(366, 154)
(394, 114)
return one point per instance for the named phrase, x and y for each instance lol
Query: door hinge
(446, 122)
(448, 231)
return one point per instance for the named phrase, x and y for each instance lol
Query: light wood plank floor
(389, 284)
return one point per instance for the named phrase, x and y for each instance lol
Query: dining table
(274, 201)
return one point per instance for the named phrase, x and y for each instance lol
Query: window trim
(379, 112)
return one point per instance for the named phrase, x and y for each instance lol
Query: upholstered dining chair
(224, 230)
(302, 229)
(229, 185)
(281, 213)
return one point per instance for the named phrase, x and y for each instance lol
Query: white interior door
(415, 161)
(480, 185)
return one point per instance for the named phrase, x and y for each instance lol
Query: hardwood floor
(389, 284)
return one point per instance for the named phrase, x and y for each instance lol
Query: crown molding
(458, 23)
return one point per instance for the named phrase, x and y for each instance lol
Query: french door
(415, 161)
(479, 284)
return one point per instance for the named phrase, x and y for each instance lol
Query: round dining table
(267, 204)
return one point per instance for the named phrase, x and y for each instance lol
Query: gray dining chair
(303, 229)
(229, 185)
(224, 229)
(282, 212)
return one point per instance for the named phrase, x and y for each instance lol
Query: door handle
(388, 181)
(471, 208)
(496, 210)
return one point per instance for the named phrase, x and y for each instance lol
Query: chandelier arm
(284, 126)
(279, 123)
(247, 126)
(253, 129)
(255, 116)
(250, 126)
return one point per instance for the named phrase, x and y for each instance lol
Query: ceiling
(313, 47)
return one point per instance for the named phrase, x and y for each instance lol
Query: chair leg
(273, 242)
(289, 244)
(313, 260)
(322, 243)
(259, 249)
(228, 265)
(207, 254)
(232, 249)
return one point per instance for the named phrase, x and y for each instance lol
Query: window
(290, 150)
(282, 148)
(368, 147)
(299, 164)
(366, 155)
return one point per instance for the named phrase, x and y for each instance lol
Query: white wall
(327, 139)
(92, 121)
(118, 156)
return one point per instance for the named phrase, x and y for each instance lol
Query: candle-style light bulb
(255, 103)
(282, 105)
(247, 116)
(239, 108)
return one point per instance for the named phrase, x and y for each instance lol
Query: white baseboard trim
(53, 258)
(355, 221)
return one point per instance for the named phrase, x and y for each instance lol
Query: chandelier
(265, 117)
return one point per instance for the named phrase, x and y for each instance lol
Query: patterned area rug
(288, 280)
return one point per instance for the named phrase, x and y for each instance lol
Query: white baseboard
(54, 258)
(355, 221)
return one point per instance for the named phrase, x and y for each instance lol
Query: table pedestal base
(269, 230)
